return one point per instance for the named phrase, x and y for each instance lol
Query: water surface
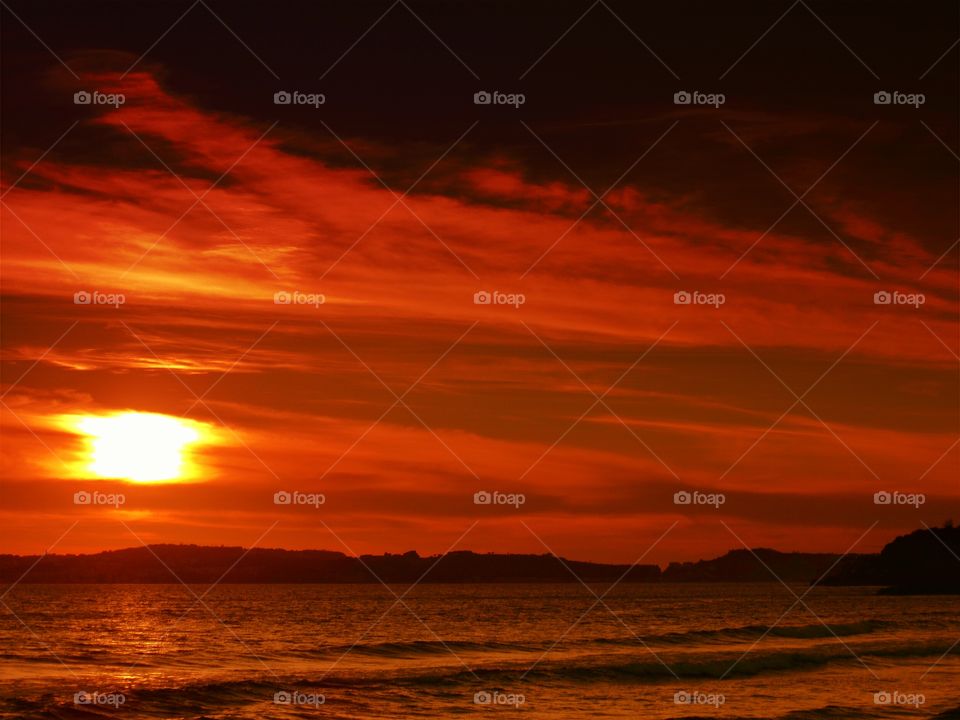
(355, 651)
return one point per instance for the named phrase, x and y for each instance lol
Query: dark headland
(925, 562)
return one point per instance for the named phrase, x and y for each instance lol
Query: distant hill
(198, 564)
(923, 562)
(760, 565)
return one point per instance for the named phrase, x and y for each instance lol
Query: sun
(137, 446)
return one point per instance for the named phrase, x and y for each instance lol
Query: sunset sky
(398, 398)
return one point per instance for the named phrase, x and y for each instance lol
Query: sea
(433, 651)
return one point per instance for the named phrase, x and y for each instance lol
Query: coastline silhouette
(923, 562)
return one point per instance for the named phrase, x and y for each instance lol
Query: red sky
(500, 398)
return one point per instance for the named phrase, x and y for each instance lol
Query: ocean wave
(752, 632)
(715, 666)
(424, 647)
(397, 683)
(397, 680)
(742, 633)
(587, 670)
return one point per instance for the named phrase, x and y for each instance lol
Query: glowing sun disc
(143, 447)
